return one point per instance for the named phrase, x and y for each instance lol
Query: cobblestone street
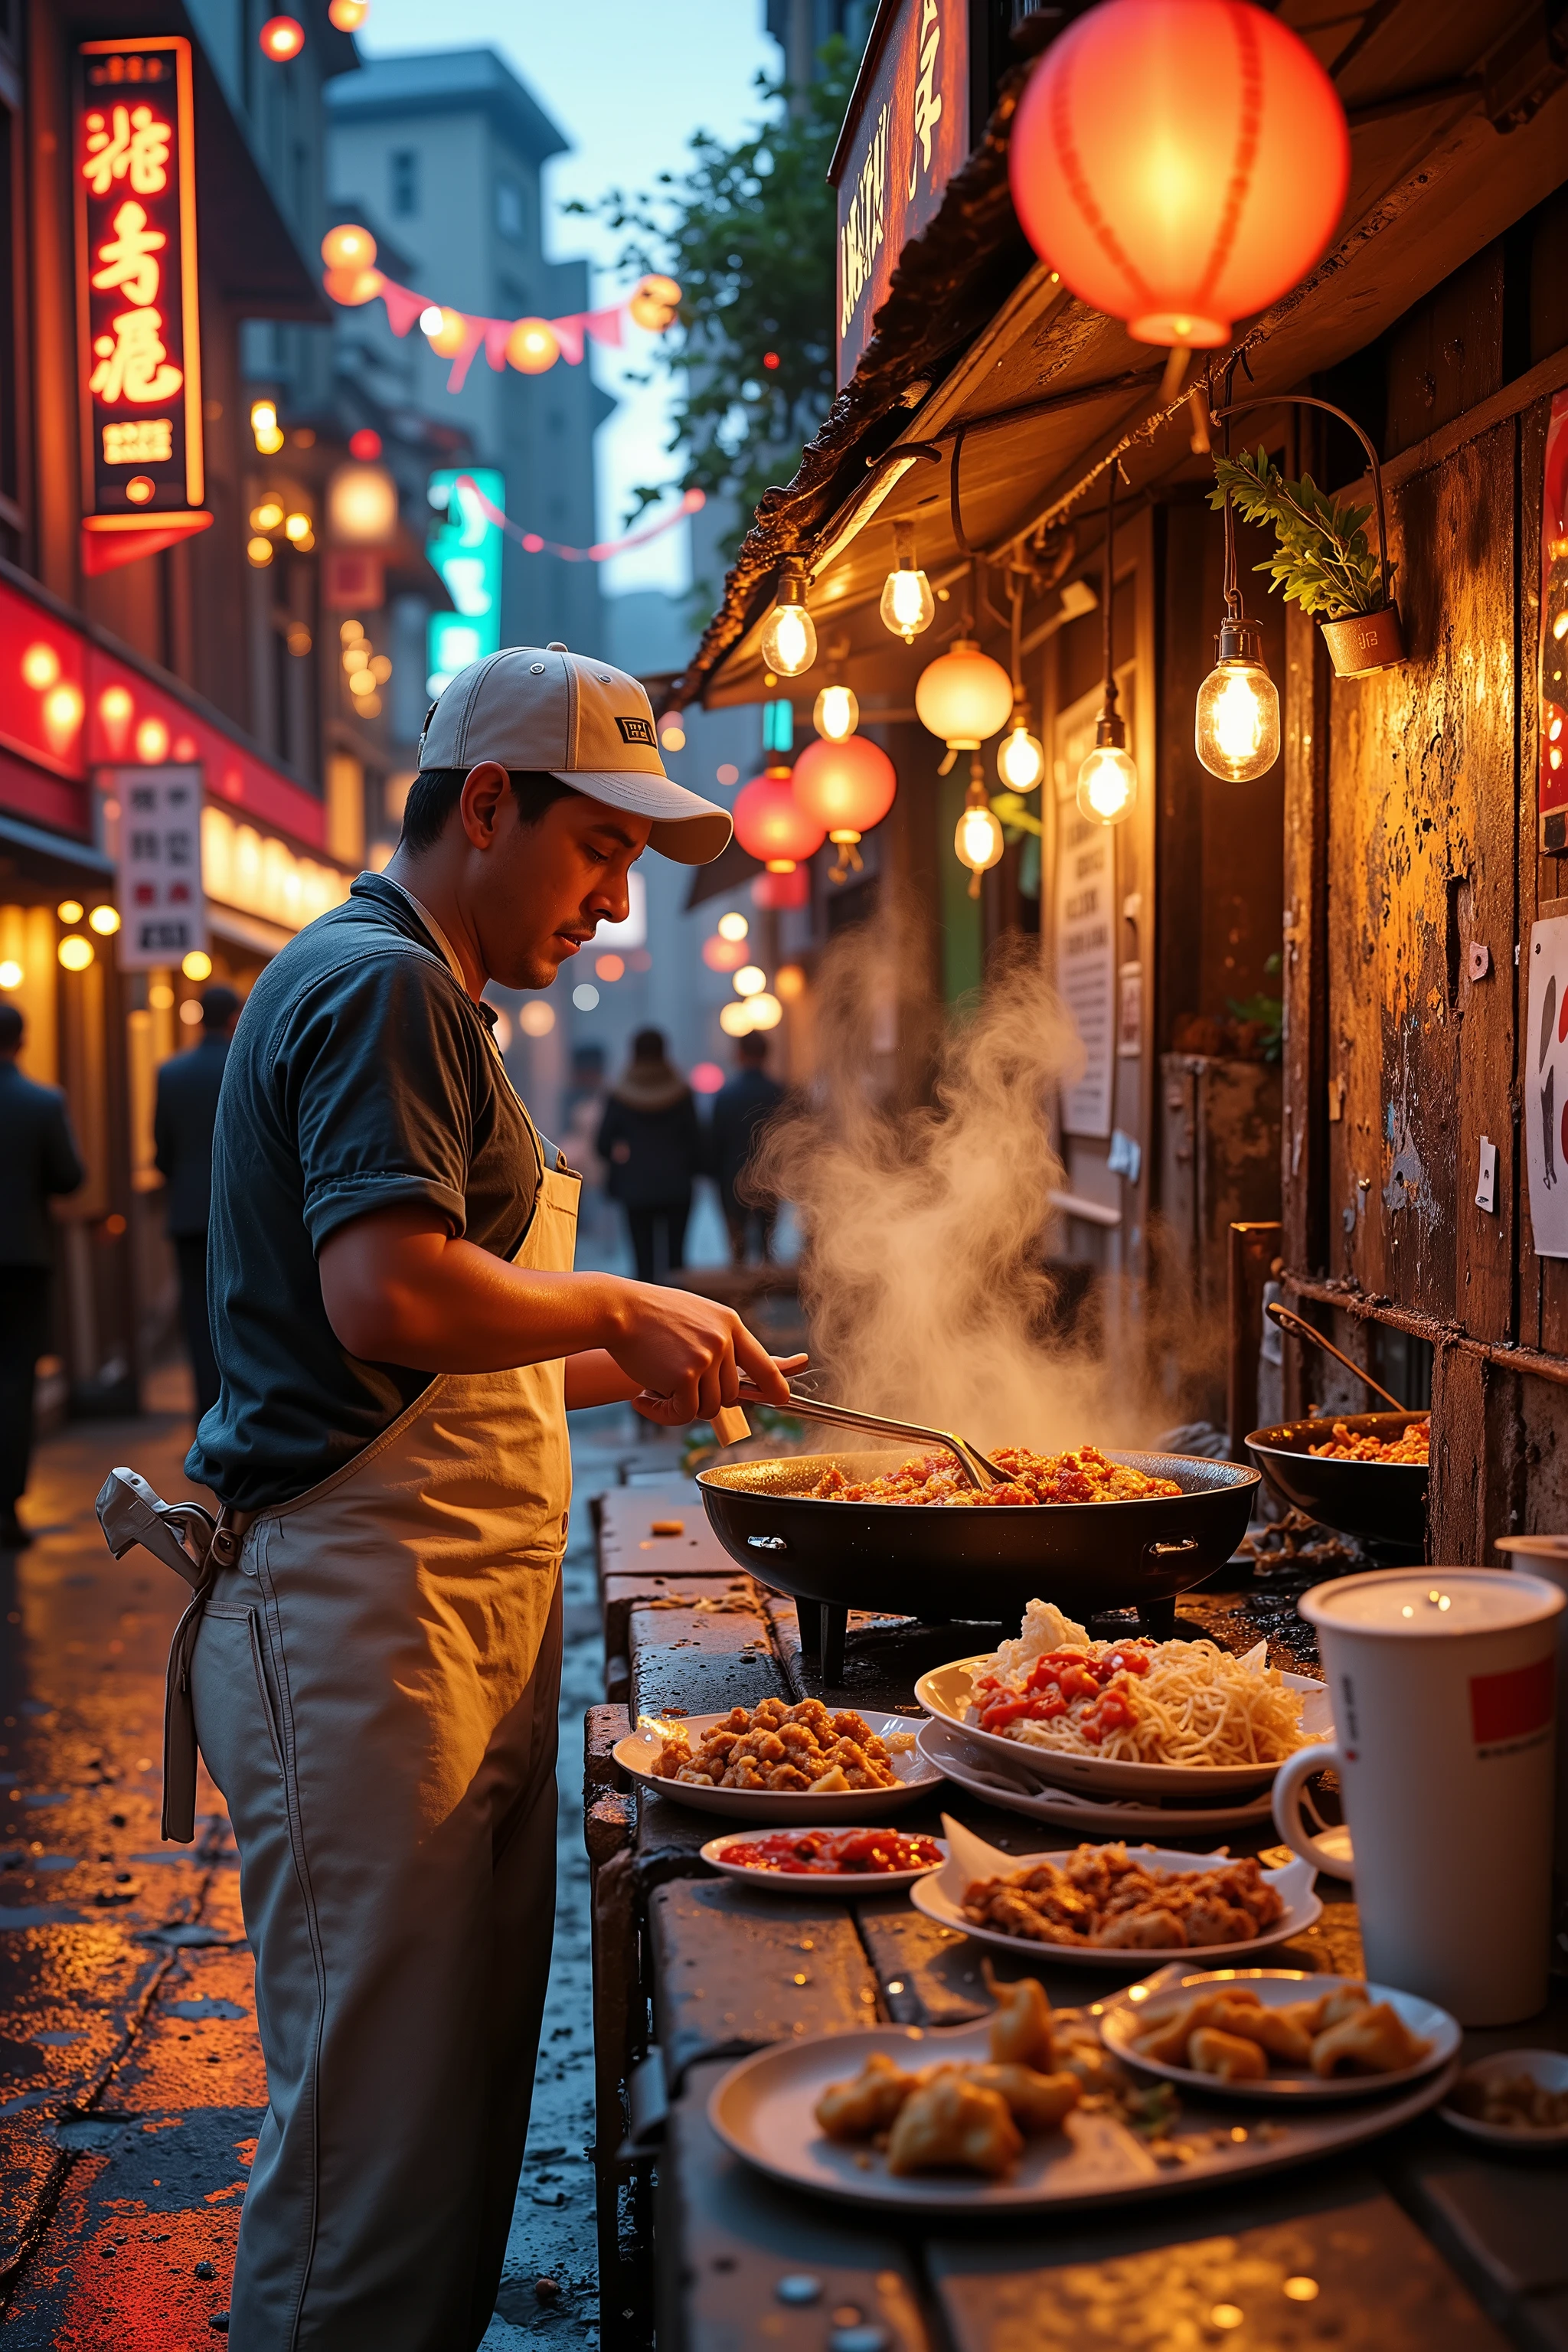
(133, 2088)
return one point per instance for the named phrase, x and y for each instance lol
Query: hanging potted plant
(1324, 562)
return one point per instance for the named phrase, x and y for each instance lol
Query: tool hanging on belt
(186, 1538)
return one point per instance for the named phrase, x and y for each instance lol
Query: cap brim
(687, 829)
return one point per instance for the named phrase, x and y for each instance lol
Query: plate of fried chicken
(774, 1762)
(1102, 1906)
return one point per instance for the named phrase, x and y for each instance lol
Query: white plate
(979, 1772)
(944, 1693)
(810, 1882)
(762, 2109)
(847, 1808)
(1547, 2067)
(1126, 2013)
(940, 1897)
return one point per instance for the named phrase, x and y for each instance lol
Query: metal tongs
(979, 1471)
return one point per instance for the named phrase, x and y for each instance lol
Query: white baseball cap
(552, 712)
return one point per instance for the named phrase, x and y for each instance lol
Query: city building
(441, 156)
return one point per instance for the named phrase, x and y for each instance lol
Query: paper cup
(1443, 1687)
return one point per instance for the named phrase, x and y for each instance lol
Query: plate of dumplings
(1026, 2110)
(1278, 2033)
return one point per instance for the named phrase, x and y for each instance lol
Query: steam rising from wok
(923, 1223)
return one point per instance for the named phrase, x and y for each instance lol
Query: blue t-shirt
(361, 1074)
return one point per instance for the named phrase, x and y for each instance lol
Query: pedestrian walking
(40, 1162)
(651, 1143)
(742, 1109)
(372, 1666)
(183, 1120)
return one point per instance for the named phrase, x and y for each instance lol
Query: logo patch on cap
(637, 731)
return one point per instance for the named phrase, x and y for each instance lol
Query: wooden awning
(977, 350)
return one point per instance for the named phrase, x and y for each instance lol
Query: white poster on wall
(1546, 1087)
(163, 913)
(1086, 926)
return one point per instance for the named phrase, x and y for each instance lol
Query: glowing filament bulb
(732, 927)
(1021, 759)
(1237, 728)
(789, 640)
(1107, 784)
(908, 606)
(836, 713)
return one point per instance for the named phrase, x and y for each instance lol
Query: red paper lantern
(771, 823)
(1180, 163)
(848, 787)
(281, 38)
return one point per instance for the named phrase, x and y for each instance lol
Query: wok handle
(1159, 1550)
(1286, 1320)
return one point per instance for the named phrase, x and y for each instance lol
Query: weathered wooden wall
(1410, 837)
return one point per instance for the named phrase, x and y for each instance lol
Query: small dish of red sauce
(883, 1854)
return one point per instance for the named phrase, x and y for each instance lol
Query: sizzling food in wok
(1084, 1477)
(1186, 1703)
(1347, 1445)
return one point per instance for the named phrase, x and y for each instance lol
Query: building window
(404, 182)
(509, 209)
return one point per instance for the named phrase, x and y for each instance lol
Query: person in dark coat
(742, 1109)
(652, 1146)
(183, 1124)
(39, 1162)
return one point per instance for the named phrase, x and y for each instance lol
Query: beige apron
(375, 1687)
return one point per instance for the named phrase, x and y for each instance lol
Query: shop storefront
(1291, 980)
(78, 720)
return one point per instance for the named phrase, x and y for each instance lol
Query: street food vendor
(373, 1674)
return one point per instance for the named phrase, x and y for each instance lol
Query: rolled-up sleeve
(379, 1076)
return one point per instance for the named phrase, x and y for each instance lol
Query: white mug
(1443, 1686)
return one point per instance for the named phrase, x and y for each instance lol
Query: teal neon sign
(465, 549)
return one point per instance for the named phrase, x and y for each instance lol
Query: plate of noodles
(1109, 1907)
(1133, 1716)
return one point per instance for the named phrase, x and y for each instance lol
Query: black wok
(1383, 1503)
(988, 1561)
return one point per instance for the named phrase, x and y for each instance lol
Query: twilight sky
(628, 83)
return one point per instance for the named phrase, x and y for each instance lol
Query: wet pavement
(131, 2087)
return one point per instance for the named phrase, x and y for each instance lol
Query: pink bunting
(403, 306)
(568, 333)
(605, 326)
(473, 336)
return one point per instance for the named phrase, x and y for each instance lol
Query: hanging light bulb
(1236, 723)
(1021, 758)
(789, 636)
(1108, 779)
(908, 606)
(977, 839)
(835, 713)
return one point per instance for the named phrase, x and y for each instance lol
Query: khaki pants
(401, 1952)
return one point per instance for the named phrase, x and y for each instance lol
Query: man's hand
(398, 1288)
(688, 1354)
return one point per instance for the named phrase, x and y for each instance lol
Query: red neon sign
(140, 330)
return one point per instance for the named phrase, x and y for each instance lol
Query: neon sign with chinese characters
(905, 134)
(142, 469)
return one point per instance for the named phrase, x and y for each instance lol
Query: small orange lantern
(281, 38)
(531, 346)
(653, 303)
